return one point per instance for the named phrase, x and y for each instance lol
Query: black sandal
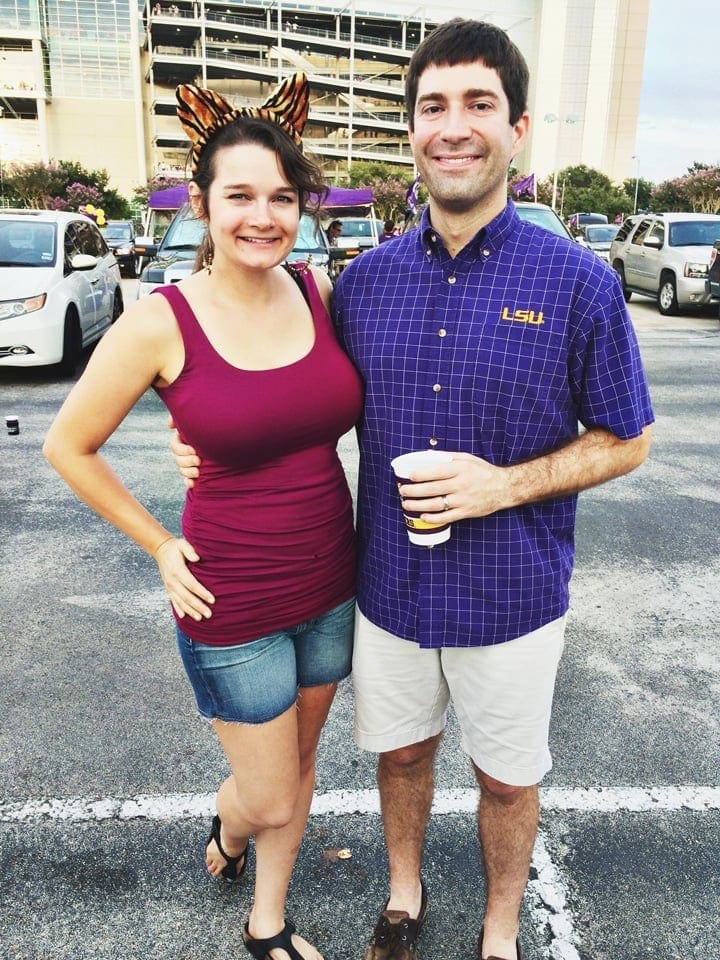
(231, 872)
(260, 949)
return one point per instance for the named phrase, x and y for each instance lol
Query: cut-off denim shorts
(256, 681)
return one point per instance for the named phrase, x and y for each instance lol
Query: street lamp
(553, 118)
(637, 181)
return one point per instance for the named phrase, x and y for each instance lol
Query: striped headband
(203, 113)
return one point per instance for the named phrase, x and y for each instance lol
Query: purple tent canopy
(173, 198)
(345, 197)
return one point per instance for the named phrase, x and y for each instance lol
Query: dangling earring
(208, 258)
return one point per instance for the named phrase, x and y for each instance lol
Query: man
(388, 231)
(490, 338)
(334, 231)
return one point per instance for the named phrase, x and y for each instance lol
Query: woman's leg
(269, 795)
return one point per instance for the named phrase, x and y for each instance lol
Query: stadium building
(93, 80)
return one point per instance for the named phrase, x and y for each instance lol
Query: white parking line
(184, 806)
(547, 888)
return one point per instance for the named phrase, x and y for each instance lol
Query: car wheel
(667, 296)
(117, 305)
(620, 270)
(72, 344)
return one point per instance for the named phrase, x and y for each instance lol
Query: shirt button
(433, 441)
(452, 279)
(428, 252)
(442, 332)
(486, 253)
(436, 388)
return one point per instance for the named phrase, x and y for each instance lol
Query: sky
(679, 117)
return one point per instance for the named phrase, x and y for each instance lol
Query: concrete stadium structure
(94, 80)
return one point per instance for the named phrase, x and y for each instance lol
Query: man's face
(463, 141)
(335, 231)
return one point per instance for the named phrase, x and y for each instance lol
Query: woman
(261, 582)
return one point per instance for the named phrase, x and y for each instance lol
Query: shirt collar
(491, 236)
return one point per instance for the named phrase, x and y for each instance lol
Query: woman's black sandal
(260, 949)
(231, 872)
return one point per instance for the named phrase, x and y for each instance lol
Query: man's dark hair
(465, 41)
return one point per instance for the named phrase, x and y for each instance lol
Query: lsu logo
(523, 316)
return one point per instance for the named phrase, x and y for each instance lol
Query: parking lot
(108, 776)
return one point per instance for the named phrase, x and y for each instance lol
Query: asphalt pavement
(107, 775)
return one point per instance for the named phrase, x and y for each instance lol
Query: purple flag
(526, 185)
(411, 196)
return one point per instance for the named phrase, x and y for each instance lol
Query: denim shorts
(256, 681)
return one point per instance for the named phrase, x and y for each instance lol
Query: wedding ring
(446, 503)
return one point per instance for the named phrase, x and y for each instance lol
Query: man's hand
(187, 595)
(466, 487)
(471, 487)
(185, 457)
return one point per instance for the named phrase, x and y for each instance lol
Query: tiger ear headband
(203, 113)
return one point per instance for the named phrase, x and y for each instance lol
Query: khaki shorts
(502, 696)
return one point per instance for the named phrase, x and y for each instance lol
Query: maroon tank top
(271, 514)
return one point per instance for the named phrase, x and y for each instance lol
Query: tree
(644, 194)
(66, 185)
(703, 189)
(671, 195)
(387, 184)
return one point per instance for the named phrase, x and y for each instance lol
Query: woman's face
(253, 211)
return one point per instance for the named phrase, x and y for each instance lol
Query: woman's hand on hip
(187, 595)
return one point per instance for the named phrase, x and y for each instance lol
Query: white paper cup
(419, 531)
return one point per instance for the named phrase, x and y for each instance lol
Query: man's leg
(406, 783)
(507, 827)
(503, 698)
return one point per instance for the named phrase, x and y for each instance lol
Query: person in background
(388, 231)
(488, 337)
(334, 230)
(261, 582)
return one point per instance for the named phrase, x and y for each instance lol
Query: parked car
(173, 258)
(120, 237)
(543, 216)
(358, 234)
(578, 221)
(666, 256)
(59, 284)
(598, 237)
(538, 213)
(713, 280)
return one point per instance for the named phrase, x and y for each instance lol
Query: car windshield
(24, 243)
(547, 219)
(184, 233)
(600, 234)
(308, 237)
(358, 228)
(694, 233)
(117, 231)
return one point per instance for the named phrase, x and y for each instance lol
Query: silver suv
(666, 256)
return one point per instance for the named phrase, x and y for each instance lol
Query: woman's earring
(208, 261)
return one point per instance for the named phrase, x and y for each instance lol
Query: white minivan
(59, 287)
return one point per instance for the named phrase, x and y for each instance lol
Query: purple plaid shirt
(500, 352)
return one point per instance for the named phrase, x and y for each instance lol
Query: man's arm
(472, 487)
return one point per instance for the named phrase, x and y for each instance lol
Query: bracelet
(161, 544)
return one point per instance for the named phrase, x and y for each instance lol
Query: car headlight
(123, 251)
(697, 271)
(18, 308)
